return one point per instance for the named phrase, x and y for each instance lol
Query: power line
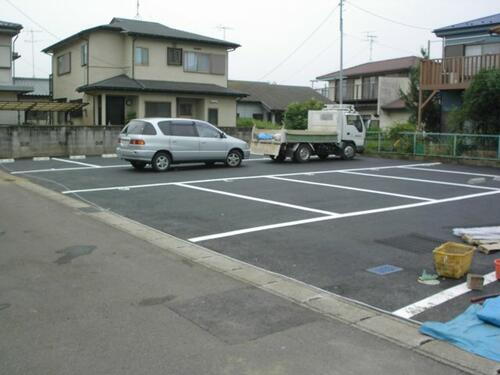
(301, 44)
(32, 20)
(388, 19)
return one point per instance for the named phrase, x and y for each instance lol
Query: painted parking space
(326, 223)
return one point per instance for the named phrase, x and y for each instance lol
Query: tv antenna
(370, 38)
(137, 15)
(223, 29)
(32, 41)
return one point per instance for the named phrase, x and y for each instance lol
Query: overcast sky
(269, 31)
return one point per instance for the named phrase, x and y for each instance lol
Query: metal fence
(456, 146)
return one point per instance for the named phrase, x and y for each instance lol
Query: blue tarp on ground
(469, 332)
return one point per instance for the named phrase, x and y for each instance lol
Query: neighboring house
(40, 93)
(269, 101)
(8, 91)
(374, 88)
(468, 48)
(130, 68)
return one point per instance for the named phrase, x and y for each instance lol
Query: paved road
(333, 254)
(79, 297)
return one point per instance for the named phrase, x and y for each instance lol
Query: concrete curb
(381, 324)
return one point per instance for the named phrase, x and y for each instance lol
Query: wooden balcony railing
(454, 73)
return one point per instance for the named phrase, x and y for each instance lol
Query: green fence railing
(458, 146)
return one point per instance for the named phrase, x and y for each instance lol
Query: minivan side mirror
(222, 135)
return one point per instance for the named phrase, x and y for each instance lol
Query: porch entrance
(115, 110)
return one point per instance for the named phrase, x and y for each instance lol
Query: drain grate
(384, 269)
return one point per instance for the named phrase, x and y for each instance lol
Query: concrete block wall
(241, 133)
(30, 141)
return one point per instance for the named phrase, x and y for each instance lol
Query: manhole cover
(384, 269)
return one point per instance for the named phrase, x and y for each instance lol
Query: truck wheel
(139, 165)
(348, 151)
(302, 154)
(161, 161)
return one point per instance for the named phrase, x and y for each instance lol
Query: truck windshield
(356, 121)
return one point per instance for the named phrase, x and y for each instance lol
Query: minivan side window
(148, 129)
(165, 127)
(207, 131)
(183, 129)
(137, 127)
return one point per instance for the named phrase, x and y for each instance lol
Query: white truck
(334, 130)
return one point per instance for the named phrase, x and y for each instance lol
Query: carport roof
(40, 106)
(275, 97)
(125, 83)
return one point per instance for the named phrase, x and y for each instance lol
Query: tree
(481, 104)
(431, 113)
(296, 113)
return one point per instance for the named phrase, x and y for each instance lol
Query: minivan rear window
(139, 127)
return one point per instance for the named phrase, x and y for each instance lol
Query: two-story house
(131, 68)
(468, 47)
(374, 88)
(8, 90)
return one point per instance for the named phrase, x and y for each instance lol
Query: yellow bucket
(453, 259)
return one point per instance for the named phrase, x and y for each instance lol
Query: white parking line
(339, 216)
(419, 180)
(353, 188)
(247, 197)
(439, 298)
(453, 172)
(234, 178)
(69, 169)
(77, 162)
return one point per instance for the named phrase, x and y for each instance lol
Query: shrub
(245, 122)
(296, 113)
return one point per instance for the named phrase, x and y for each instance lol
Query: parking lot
(327, 223)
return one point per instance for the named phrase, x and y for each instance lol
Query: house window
(64, 64)
(84, 54)
(5, 57)
(158, 109)
(174, 56)
(141, 56)
(213, 116)
(204, 63)
(185, 109)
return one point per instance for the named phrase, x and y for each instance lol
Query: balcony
(454, 73)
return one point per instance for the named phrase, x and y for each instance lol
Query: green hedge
(244, 122)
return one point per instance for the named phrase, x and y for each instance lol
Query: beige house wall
(388, 91)
(8, 117)
(390, 118)
(159, 70)
(6, 73)
(109, 55)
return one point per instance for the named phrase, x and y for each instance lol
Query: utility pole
(33, 41)
(370, 38)
(223, 29)
(341, 80)
(137, 15)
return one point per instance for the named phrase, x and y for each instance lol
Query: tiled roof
(41, 86)
(275, 97)
(370, 68)
(146, 29)
(487, 21)
(125, 83)
(10, 27)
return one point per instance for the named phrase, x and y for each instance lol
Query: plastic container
(453, 259)
(497, 268)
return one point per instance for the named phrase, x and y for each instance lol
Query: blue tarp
(264, 136)
(469, 332)
(490, 313)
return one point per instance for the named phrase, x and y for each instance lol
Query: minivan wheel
(161, 162)
(138, 164)
(234, 158)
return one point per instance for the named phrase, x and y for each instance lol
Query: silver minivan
(162, 142)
